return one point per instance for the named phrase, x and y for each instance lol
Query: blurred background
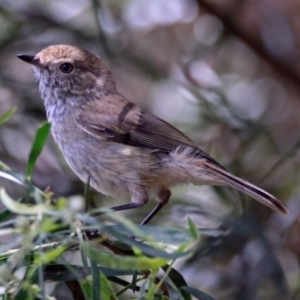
(226, 73)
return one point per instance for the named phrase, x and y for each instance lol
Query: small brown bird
(122, 149)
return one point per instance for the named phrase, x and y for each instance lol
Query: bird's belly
(114, 169)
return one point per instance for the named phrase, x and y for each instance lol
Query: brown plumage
(123, 149)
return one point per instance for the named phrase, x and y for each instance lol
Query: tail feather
(247, 188)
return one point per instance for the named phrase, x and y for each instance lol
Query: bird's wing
(135, 127)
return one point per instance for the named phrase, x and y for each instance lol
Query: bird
(122, 149)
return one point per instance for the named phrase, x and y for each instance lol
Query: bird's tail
(246, 187)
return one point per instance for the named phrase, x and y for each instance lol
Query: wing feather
(135, 127)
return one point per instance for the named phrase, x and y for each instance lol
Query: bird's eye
(66, 68)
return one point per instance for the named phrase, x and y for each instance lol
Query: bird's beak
(33, 60)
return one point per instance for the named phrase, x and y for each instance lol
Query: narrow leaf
(50, 256)
(178, 281)
(146, 249)
(37, 147)
(6, 213)
(196, 293)
(96, 284)
(173, 293)
(134, 280)
(172, 236)
(22, 209)
(122, 262)
(193, 229)
(106, 290)
(87, 289)
(7, 115)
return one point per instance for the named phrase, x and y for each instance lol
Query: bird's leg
(127, 206)
(163, 198)
(139, 198)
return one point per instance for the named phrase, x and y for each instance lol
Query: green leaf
(196, 293)
(107, 291)
(102, 285)
(37, 147)
(51, 255)
(134, 280)
(146, 249)
(173, 293)
(173, 236)
(83, 258)
(96, 283)
(22, 209)
(7, 115)
(178, 281)
(87, 289)
(6, 213)
(193, 229)
(122, 262)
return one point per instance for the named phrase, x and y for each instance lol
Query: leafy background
(227, 74)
